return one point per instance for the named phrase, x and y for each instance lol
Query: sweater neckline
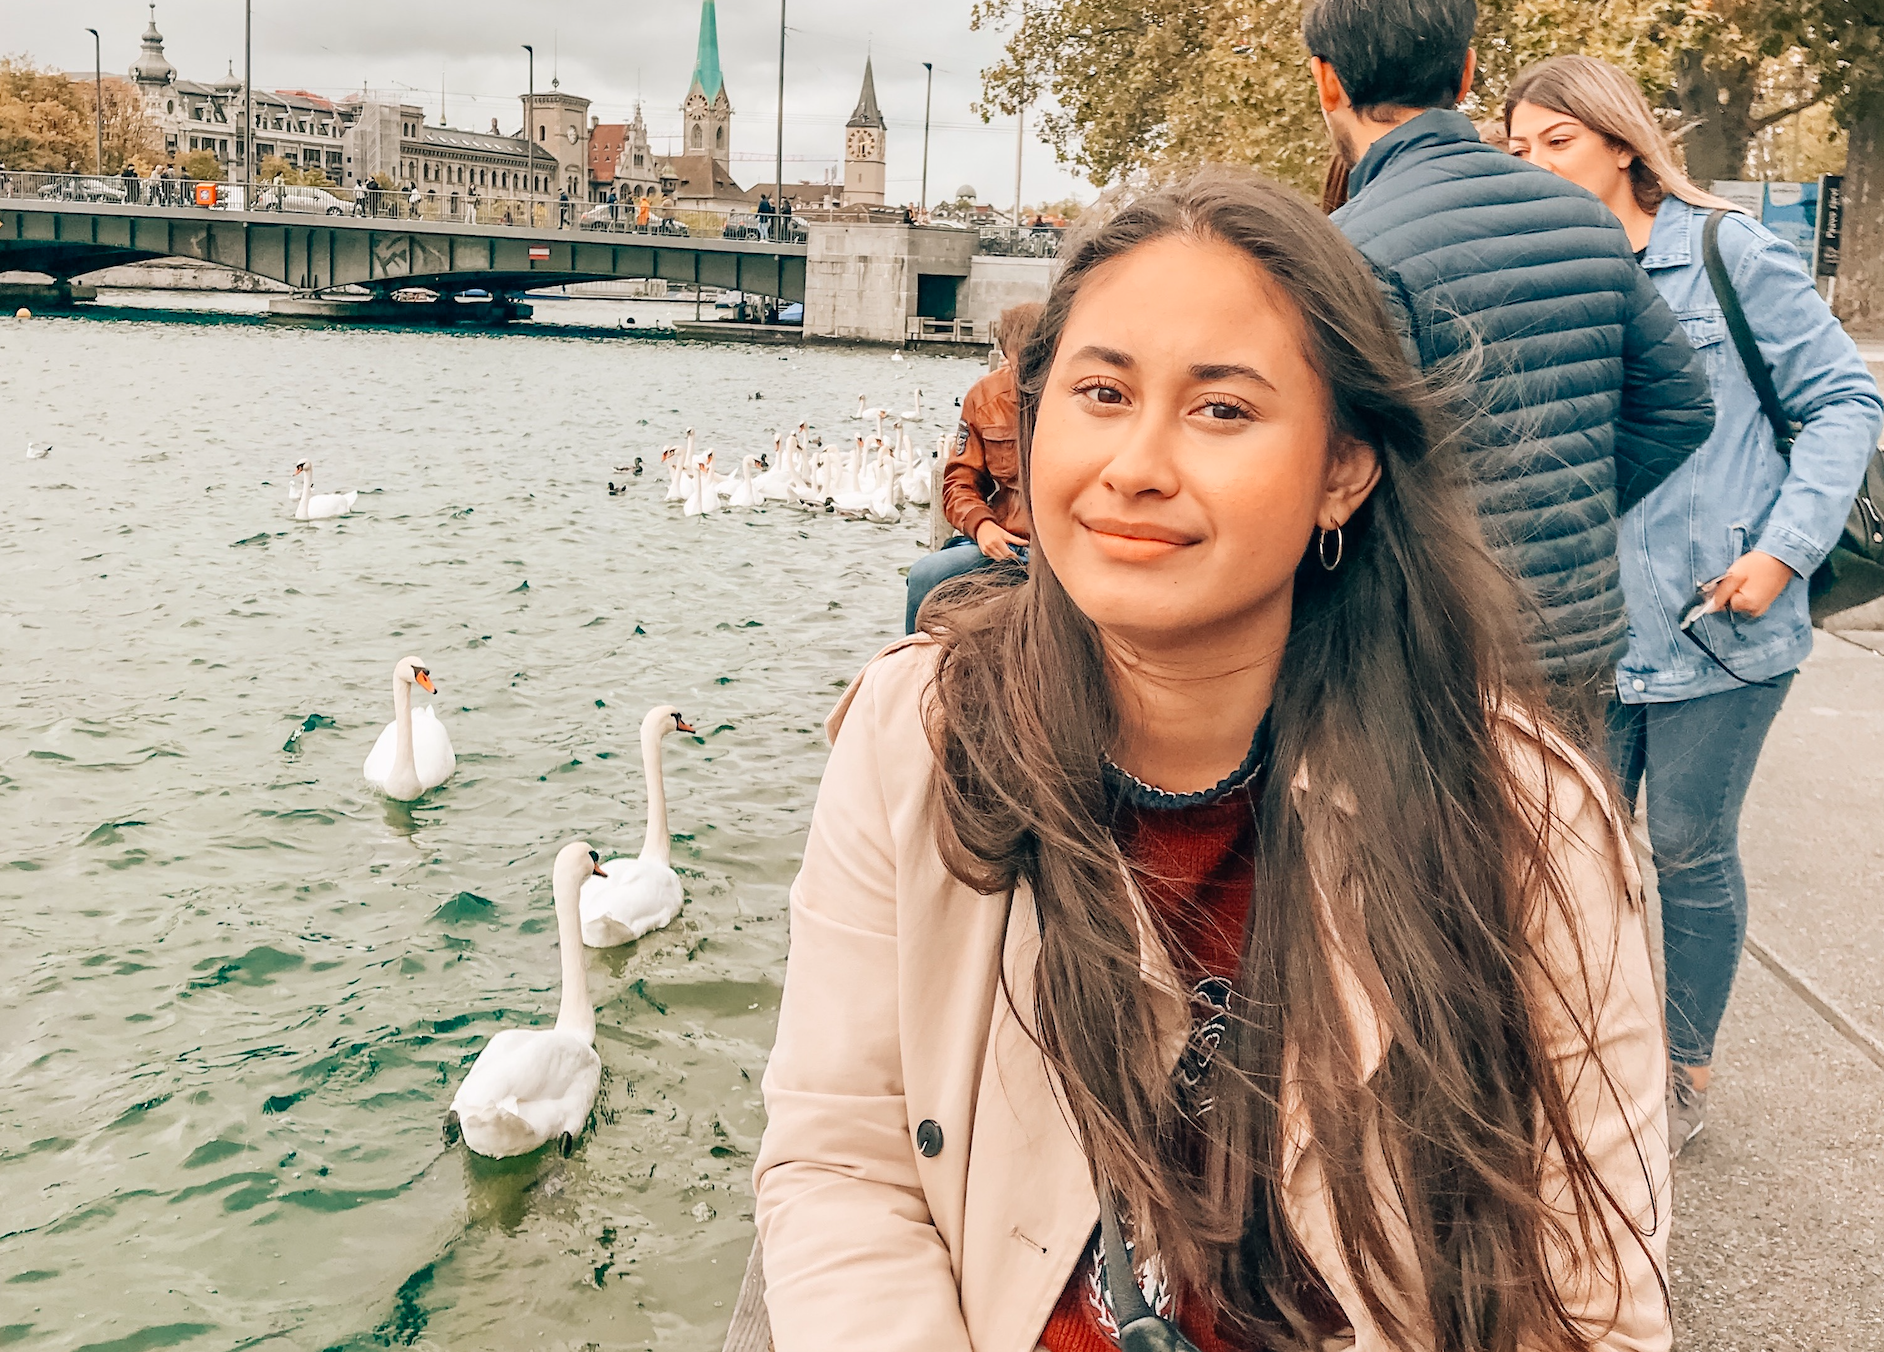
(1127, 789)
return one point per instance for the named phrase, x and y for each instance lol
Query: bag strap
(1140, 1327)
(1742, 333)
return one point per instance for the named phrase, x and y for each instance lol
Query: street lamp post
(529, 142)
(98, 94)
(248, 105)
(778, 165)
(928, 94)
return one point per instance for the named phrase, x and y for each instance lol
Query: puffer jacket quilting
(1519, 291)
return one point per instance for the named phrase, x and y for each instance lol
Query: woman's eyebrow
(1111, 356)
(1231, 371)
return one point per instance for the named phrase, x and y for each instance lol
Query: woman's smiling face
(1182, 454)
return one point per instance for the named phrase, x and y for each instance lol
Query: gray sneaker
(1687, 1107)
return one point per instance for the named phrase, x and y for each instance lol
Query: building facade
(865, 154)
(306, 130)
(621, 160)
(391, 142)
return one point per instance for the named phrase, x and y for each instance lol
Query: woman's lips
(1135, 541)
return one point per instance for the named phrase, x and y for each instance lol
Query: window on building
(170, 106)
(697, 141)
(719, 138)
(541, 132)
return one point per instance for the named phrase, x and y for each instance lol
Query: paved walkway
(1779, 1204)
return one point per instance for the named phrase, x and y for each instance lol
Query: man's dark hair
(1393, 53)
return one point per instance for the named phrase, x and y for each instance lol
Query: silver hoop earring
(1321, 550)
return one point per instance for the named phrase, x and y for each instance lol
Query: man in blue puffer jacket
(1580, 390)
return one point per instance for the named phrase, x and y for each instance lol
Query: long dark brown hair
(1414, 846)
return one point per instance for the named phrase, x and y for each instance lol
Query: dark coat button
(929, 1138)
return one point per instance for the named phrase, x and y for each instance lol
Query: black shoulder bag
(1853, 573)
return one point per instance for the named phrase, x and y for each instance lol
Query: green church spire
(706, 63)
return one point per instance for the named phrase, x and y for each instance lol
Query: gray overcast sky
(605, 51)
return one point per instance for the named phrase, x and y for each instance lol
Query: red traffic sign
(539, 251)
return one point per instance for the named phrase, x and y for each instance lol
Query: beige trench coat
(893, 1017)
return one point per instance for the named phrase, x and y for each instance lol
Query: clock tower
(864, 148)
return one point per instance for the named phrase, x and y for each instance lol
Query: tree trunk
(1860, 290)
(1718, 102)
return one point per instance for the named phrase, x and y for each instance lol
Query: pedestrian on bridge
(129, 175)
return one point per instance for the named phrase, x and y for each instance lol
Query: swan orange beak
(598, 871)
(682, 725)
(425, 682)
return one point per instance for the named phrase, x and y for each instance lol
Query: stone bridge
(314, 254)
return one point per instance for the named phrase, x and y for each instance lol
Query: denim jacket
(1737, 493)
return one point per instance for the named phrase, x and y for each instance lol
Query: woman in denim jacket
(1738, 528)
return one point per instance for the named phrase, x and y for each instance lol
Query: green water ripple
(241, 987)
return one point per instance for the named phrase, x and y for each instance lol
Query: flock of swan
(872, 479)
(532, 1086)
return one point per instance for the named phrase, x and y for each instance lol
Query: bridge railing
(428, 203)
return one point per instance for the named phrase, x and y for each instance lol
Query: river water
(237, 989)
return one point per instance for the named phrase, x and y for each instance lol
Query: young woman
(1739, 528)
(1220, 871)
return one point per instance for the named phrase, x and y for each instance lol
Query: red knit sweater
(1194, 860)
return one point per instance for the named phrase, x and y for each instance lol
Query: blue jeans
(1698, 756)
(960, 555)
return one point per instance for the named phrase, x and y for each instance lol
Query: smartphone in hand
(1701, 603)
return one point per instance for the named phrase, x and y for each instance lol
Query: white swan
(744, 492)
(531, 1085)
(413, 753)
(676, 474)
(638, 895)
(319, 506)
(915, 414)
(702, 493)
(35, 451)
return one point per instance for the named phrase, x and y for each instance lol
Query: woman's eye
(1220, 412)
(1104, 394)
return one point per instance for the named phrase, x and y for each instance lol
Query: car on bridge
(300, 197)
(750, 225)
(68, 188)
(598, 217)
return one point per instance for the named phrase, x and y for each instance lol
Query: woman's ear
(1353, 470)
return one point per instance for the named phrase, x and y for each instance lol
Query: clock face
(866, 143)
(571, 134)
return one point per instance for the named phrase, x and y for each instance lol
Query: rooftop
(455, 139)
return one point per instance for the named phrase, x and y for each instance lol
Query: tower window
(719, 138)
(697, 142)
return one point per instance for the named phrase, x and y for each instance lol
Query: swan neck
(402, 725)
(657, 846)
(575, 1015)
